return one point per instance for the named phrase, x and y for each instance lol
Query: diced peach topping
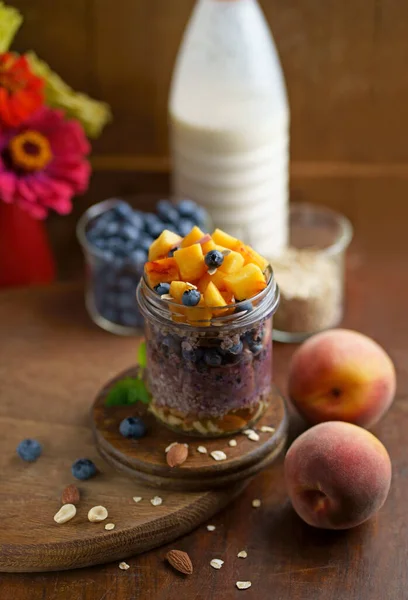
(161, 271)
(190, 262)
(163, 244)
(240, 275)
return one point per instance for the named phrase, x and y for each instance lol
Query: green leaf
(141, 355)
(128, 391)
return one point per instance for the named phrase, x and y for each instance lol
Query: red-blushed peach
(341, 375)
(337, 475)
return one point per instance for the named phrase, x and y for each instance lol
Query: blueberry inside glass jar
(214, 377)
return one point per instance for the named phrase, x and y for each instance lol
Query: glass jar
(212, 378)
(110, 280)
(310, 272)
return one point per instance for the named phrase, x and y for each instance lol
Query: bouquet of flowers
(44, 131)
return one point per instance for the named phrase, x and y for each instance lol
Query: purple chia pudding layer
(207, 377)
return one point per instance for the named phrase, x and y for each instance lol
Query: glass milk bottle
(229, 123)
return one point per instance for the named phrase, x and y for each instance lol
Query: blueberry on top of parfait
(191, 297)
(162, 288)
(244, 306)
(214, 259)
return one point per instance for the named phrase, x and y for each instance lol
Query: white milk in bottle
(229, 123)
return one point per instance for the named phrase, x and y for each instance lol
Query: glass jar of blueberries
(210, 379)
(115, 239)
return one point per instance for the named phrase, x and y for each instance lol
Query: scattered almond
(267, 429)
(256, 503)
(177, 455)
(70, 495)
(243, 585)
(109, 526)
(216, 563)
(97, 514)
(124, 566)
(211, 527)
(232, 443)
(202, 449)
(65, 513)
(137, 498)
(180, 561)
(218, 455)
(242, 554)
(156, 501)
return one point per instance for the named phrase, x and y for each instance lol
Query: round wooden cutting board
(52, 364)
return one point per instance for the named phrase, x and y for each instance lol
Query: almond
(70, 495)
(180, 561)
(177, 455)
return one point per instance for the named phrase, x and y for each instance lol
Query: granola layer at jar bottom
(225, 379)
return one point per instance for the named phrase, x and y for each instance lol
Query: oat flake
(256, 503)
(248, 431)
(124, 566)
(109, 526)
(156, 501)
(243, 585)
(242, 554)
(267, 429)
(216, 563)
(232, 443)
(218, 455)
(202, 449)
(137, 498)
(211, 527)
(253, 436)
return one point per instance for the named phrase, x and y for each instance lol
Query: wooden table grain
(286, 558)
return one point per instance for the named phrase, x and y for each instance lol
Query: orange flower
(21, 92)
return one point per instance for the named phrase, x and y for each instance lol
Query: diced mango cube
(163, 244)
(232, 262)
(190, 262)
(193, 237)
(246, 283)
(251, 256)
(203, 282)
(224, 239)
(213, 298)
(177, 289)
(161, 271)
(200, 314)
(178, 314)
(228, 297)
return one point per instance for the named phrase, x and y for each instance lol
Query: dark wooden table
(286, 558)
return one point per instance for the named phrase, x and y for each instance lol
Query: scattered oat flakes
(211, 527)
(256, 503)
(202, 449)
(243, 585)
(216, 563)
(137, 498)
(156, 501)
(253, 436)
(267, 429)
(248, 431)
(242, 554)
(232, 443)
(218, 455)
(124, 566)
(109, 526)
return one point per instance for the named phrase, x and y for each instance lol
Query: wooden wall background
(346, 70)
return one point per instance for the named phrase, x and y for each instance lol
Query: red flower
(21, 92)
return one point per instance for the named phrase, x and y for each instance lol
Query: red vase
(25, 254)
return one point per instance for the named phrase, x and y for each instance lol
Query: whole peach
(337, 474)
(341, 375)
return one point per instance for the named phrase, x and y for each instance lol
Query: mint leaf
(128, 391)
(141, 355)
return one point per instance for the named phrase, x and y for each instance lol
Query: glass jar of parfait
(208, 325)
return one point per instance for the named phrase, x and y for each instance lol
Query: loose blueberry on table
(83, 469)
(29, 450)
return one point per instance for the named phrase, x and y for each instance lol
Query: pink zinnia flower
(42, 163)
